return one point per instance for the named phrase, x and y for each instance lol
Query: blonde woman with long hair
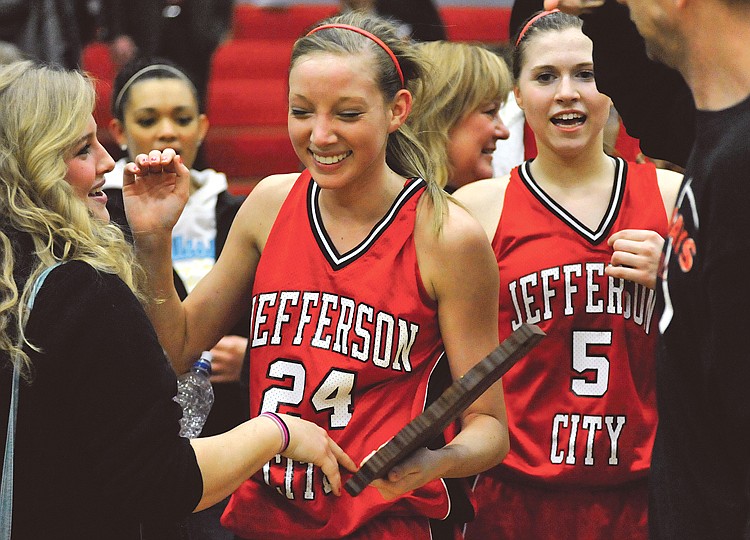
(456, 107)
(97, 452)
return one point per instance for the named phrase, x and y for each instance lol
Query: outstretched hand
(636, 256)
(309, 443)
(574, 7)
(156, 187)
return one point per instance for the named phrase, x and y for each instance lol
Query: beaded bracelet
(282, 426)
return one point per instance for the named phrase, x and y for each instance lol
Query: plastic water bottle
(196, 395)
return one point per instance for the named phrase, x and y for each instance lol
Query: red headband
(371, 36)
(534, 19)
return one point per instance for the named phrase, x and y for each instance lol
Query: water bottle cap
(203, 364)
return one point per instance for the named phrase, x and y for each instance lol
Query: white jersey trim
(336, 259)
(618, 190)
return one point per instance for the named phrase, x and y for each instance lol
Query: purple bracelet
(282, 426)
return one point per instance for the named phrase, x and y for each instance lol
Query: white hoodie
(194, 235)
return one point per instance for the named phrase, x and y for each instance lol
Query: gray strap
(6, 487)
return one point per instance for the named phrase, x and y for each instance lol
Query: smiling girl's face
(339, 121)
(471, 143)
(86, 163)
(558, 93)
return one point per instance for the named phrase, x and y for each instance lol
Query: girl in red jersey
(367, 286)
(577, 235)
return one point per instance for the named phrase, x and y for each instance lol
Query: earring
(123, 147)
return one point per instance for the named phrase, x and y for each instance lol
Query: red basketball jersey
(351, 342)
(581, 406)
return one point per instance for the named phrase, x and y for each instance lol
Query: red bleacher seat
(96, 61)
(250, 153)
(253, 22)
(248, 137)
(102, 113)
(476, 23)
(463, 23)
(252, 59)
(247, 102)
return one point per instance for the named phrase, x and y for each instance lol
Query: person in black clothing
(421, 15)
(653, 100)
(97, 446)
(521, 11)
(700, 473)
(154, 106)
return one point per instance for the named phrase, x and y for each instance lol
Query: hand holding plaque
(447, 407)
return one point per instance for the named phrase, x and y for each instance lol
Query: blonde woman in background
(456, 109)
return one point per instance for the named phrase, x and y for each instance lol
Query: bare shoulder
(669, 185)
(458, 224)
(484, 200)
(476, 193)
(259, 211)
(444, 256)
(273, 189)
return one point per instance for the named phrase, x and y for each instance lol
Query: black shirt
(701, 459)
(97, 446)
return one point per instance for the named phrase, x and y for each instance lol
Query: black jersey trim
(336, 259)
(613, 209)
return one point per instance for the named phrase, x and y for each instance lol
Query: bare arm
(155, 191)
(222, 296)
(669, 185)
(228, 459)
(459, 270)
(153, 201)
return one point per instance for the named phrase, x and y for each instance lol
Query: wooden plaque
(447, 407)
